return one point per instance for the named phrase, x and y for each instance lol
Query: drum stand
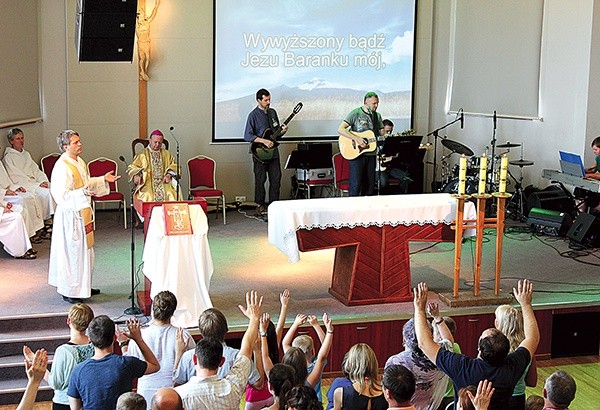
(515, 205)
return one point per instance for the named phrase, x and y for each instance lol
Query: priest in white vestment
(13, 233)
(71, 251)
(23, 170)
(31, 207)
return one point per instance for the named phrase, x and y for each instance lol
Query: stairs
(46, 331)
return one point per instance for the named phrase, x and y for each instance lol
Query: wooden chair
(99, 167)
(203, 183)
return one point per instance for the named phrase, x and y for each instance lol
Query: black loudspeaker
(585, 230)
(549, 222)
(105, 30)
(553, 197)
(575, 334)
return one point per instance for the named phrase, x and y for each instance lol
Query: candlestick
(503, 172)
(482, 174)
(462, 175)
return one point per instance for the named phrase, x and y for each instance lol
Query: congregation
(173, 372)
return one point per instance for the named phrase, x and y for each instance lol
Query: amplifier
(548, 222)
(319, 175)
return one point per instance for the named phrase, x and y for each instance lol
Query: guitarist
(362, 168)
(261, 119)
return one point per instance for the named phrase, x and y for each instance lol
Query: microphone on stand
(462, 119)
(122, 158)
(494, 119)
(178, 176)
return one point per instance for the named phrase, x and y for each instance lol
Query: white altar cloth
(181, 264)
(286, 217)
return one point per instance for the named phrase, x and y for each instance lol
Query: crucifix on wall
(143, 43)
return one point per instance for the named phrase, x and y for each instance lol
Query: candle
(462, 175)
(503, 171)
(482, 174)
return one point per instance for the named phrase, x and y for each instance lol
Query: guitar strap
(273, 122)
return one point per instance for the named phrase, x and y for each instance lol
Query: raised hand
(133, 331)
(328, 323)
(284, 297)
(181, 341)
(253, 305)
(312, 320)
(36, 368)
(524, 292)
(110, 177)
(420, 296)
(483, 396)
(433, 310)
(264, 322)
(300, 319)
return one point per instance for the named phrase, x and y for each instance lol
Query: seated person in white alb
(13, 233)
(23, 170)
(31, 207)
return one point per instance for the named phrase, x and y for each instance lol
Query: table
(370, 235)
(181, 264)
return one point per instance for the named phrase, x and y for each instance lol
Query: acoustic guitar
(350, 148)
(260, 150)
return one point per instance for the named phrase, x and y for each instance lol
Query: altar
(181, 264)
(370, 236)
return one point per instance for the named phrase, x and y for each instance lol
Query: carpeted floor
(244, 260)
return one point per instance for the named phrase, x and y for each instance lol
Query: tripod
(515, 205)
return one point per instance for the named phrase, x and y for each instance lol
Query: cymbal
(521, 162)
(508, 145)
(457, 147)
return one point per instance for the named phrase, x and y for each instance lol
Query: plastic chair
(47, 163)
(98, 167)
(144, 142)
(202, 181)
(341, 174)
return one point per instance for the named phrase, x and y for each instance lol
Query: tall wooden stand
(478, 297)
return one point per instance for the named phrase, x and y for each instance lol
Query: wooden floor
(585, 370)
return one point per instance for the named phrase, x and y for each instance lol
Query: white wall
(103, 97)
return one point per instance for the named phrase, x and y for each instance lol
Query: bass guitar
(259, 150)
(350, 148)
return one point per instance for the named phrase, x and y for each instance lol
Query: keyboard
(587, 184)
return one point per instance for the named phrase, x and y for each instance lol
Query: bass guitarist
(362, 168)
(260, 120)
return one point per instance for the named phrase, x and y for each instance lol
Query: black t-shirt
(465, 371)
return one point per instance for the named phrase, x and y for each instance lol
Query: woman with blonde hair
(509, 320)
(366, 391)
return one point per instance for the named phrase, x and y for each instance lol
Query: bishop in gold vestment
(152, 172)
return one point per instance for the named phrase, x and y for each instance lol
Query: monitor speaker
(585, 230)
(553, 197)
(105, 30)
(549, 222)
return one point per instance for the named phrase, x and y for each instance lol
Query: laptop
(571, 164)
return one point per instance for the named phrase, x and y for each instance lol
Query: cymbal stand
(514, 207)
(436, 136)
(492, 180)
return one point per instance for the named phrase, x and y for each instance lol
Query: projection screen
(325, 54)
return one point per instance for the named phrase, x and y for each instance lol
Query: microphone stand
(133, 309)
(436, 136)
(177, 160)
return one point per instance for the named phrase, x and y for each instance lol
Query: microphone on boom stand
(132, 310)
(178, 176)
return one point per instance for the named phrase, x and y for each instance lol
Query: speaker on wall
(105, 30)
(585, 230)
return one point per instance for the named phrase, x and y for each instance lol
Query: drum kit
(450, 180)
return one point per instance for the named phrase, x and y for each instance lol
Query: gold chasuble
(152, 166)
(86, 213)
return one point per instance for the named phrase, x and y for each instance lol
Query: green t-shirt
(361, 121)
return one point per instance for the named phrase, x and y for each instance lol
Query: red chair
(203, 184)
(341, 173)
(98, 167)
(47, 163)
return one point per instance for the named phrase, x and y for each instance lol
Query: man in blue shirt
(98, 382)
(261, 119)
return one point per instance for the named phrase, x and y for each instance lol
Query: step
(33, 322)
(11, 391)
